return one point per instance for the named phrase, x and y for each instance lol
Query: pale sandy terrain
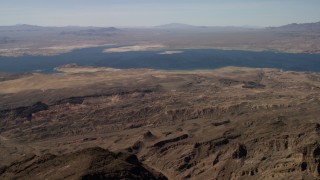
(47, 50)
(73, 47)
(77, 76)
(134, 48)
(170, 52)
(63, 80)
(73, 68)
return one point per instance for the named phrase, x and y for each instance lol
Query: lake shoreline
(163, 59)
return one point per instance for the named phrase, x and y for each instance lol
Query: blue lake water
(191, 59)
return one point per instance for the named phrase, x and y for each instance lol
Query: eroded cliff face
(233, 123)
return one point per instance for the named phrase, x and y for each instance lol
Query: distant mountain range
(66, 30)
(299, 27)
(180, 26)
(93, 30)
(187, 26)
(288, 27)
(177, 26)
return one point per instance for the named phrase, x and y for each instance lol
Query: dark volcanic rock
(221, 123)
(164, 142)
(72, 100)
(241, 152)
(229, 82)
(37, 107)
(26, 112)
(252, 85)
(148, 135)
(2, 169)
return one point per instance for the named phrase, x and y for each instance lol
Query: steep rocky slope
(92, 163)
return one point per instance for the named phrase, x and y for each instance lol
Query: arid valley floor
(230, 123)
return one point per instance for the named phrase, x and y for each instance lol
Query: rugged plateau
(230, 123)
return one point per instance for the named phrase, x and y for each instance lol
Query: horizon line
(148, 26)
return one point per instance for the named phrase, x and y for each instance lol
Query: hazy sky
(156, 12)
